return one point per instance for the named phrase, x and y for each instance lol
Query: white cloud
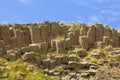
(112, 19)
(95, 18)
(110, 12)
(24, 1)
(85, 3)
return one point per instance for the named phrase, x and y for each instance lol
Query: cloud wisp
(24, 1)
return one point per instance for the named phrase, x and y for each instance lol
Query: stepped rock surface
(62, 50)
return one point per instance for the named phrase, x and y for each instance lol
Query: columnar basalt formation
(58, 36)
(74, 49)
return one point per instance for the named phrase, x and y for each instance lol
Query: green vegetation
(17, 71)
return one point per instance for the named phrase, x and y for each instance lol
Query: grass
(18, 69)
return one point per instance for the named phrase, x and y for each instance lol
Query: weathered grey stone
(76, 34)
(67, 43)
(46, 63)
(82, 65)
(1, 52)
(44, 47)
(60, 45)
(27, 36)
(53, 44)
(25, 49)
(91, 35)
(65, 59)
(99, 32)
(58, 60)
(13, 55)
(35, 47)
(28, 56)
(81, 52)
(96, 55)
(70, 35)
(38, 60)
(72, 64)
(2, 44)
(20, 37)
(5, 34)
(92, 72)
(83, 30)
(99, 44)
(13, 42)
(115, 38)
(52, 64)
(44, 34)
(106, 40)
(35, 33)
(55, 29)
(83, 40)
(72, 57)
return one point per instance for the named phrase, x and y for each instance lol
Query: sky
(87, 11)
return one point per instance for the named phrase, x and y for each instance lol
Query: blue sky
(88, 11)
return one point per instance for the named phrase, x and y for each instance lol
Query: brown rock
(28, 56)
(13, 54)
(72, 57)
(81, 52)
(20, 37)
(83, 40)
(58, 60)
(46, 63)
(72, 64)
(13, 42)
(60, 45)
(5, 34)
(35, 33)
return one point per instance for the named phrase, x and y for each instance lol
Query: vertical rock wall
(58, 36)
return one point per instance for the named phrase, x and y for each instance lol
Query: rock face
(62, 48)
(58, 36)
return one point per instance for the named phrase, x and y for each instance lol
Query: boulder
(13, 54)
(28, 56)
(25, 49)
(72, 64)
(38, 60)
(72, 57)
(35, 47)
(46, 63)
(58, 60)
(83, 65)
(99, 44)
(65, 59)
(81, 52)
(52, 64)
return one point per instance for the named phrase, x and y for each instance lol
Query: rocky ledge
(59, 51)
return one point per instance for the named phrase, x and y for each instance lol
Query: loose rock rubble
(64, 51)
